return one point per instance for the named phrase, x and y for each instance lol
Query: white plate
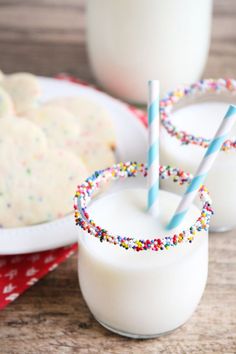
(131, 146)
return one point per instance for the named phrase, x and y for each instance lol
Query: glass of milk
(198, 110)
(131, 41)
(134, 287)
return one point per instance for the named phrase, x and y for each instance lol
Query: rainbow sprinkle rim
(132, 169)
(201, 87)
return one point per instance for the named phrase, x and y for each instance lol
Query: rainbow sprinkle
(199, 88)
(121, 170)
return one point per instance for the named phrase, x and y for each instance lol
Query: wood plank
(46, 37)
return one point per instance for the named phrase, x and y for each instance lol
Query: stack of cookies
(46, 149)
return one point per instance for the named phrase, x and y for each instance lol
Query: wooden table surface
(47, 37)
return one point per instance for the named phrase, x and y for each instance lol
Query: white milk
(203, 119)
(133, 41)
(145, 293)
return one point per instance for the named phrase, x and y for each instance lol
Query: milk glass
(200, 114)
(132, 41)
(147, 293)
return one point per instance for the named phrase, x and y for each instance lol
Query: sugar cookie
(59, 125)
(27, 139)
(36, 181)
(24, 90)
(6, 104)
(93, 117)
(94, 152)
(62, 130)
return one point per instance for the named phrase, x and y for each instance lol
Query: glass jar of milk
(155, 290)
(131, 41)
(190, 116)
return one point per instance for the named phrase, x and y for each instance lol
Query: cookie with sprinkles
(6, 104)
(36, 181)
(93, 118)
(48, 185)
(26, 138)
(24, 90)
(58, 124)
(95, 153)
(62, 130)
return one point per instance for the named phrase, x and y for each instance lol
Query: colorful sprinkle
(199, 88)
(86, 190)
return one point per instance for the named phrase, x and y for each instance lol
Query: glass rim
(86, 190)
(201, 87)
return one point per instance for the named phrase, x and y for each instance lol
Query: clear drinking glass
(190, 116)
(142, 286)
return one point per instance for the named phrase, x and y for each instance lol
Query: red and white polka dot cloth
(18, 273)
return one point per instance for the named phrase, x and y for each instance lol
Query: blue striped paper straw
(153, 145)
(204, 167)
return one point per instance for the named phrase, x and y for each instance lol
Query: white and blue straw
(204, 167)
(153, 146)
